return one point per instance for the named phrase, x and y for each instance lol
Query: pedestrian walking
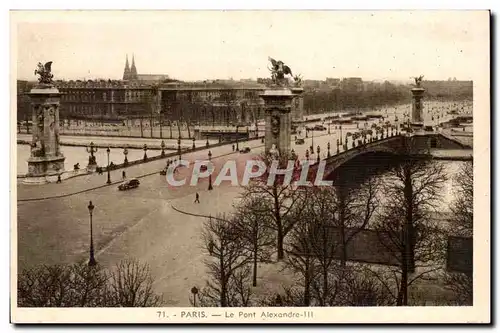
(123, 174)
(233, 147)
(58, 178)
(197, 200)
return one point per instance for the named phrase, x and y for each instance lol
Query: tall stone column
(298, 104)
(417, 112)
(277, 108)
(46, 158)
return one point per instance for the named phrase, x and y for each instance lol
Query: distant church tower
(126, 72)
(133, 70)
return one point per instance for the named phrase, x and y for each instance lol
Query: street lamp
(145, 152)
(92, 149)
(125, 152)
(194, 291)
(341, 140)
(179, 147)
(318, 150)
(92, 261)
(328, 128)
(210, 174)
(307, 154)
(328, 148)
(237, 147)
(194, 147)
(109, 176)
(162, 145)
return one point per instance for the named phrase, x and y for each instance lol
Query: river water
(79, 155)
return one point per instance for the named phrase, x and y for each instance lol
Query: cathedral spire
(126, 72)
(133, 70)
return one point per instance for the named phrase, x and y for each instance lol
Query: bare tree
(254, 231)
(319, 213)
(227, 259)
(406, 226)
(280, 203)
(301, 259)
(356, 207)
(83, 286)
(131, 285)
(463, 205)
(358, 286)
(461, 224)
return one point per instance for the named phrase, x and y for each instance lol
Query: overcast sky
(200, 45)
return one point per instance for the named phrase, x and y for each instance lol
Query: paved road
(139, 223)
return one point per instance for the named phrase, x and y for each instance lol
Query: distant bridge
(439, 146)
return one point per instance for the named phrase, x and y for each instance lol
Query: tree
(280, 203)
(254, 231)
(320, 213)
(461, 224)
(355, 207)
(129, 284)
(406, 226)
(301, 259)
(358, 286)
(226, 265)
(463, 205)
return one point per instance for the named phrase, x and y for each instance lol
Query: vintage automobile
(129, 184)
(203, 167)
(319, 128)
(300, 141)
(245, 150)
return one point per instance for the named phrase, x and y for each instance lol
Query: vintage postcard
(250, 167)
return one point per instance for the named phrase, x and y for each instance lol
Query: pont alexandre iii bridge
(433, 145)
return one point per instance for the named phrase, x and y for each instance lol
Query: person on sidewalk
(59, 178)
(123, 174)
(197, 200)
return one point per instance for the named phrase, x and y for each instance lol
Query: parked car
(319, 128)
(129, 184)
(203, 167)
(428, 128)
(300, 141)
(245, 150)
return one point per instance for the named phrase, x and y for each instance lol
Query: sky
(199, 45)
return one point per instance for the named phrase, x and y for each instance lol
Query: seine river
(79, 155)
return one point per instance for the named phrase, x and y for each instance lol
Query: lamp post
(194, 291)
(237, 147)
(92, 261)
(125, 153)
(328, 148)
(210, 174)
(307, 154)
(194, 147)
(341, 140)
(318, 150)
(179, 147)
(91, 149)
(109, 176)
(328, 128)
(162, 145)
(145, 152)
(207, 143)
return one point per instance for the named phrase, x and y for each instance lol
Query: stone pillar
(417, 112)
(277, 108)
(298, 104)
(46, 158)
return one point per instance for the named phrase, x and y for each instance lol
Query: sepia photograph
(250, 166)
